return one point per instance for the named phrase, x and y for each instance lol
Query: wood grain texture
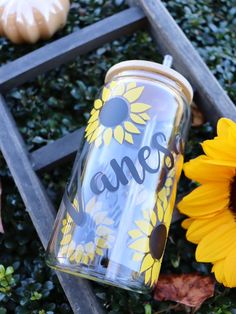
(39, 207)
(58, 152)
(209, 95)
(68, 48)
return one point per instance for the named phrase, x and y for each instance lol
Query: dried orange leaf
(197, 116)
(188, 289)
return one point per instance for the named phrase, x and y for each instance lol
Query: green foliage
(57, 103)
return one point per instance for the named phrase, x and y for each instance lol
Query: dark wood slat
(39, 206)
(58, 152)
(69, 47)
(209, 95)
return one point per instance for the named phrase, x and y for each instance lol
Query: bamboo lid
(154, 68)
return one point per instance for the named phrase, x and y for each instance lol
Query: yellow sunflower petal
(63, 250)
(94, 116)
(118, 90)
(186, 223)
(119, 134)
(217, 244)
(139, 107)
(66, 229)
(95, 135)
(106, 94)
(218, 270)
(148, 275)
(137, 257)
(99, 251)
(155, 272)
(153, 218)
(131, 85)
(66, 239)
(137, 119)
(98, 104)
(219, 149)
(135, 233)
(102, 243)
(144, 226)
(201, 227)
(197, 168)
(207, 199)
(113, 84)
(141, 245)
(229, 269)
(89, 247)
(130, 127)
(133, 94)
(146, 214)
(224, 125)
(147, 262)
(85, 259)
(160, 210)
(129, 138)
(145, 116)
(107, 135)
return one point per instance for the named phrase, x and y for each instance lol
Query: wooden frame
(211, 98)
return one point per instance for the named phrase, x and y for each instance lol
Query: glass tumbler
(113, 221)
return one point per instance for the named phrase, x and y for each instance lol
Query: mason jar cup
(113, 221)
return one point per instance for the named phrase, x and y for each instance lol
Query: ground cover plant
(57, 103)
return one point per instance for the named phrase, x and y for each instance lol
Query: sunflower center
(232, 197)
(157, 241)
(114, 112)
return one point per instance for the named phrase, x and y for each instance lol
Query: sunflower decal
(118, 114)
(94, 237)
(151, 233)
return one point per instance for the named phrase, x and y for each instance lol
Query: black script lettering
(142, 159)
(94, 183)
(163, 149)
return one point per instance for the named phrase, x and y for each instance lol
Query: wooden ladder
(209, 96)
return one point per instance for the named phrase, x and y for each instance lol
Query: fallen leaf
(188, 289)
(197, 116)
(1, 225)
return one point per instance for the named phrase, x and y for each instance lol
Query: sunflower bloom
(211, 207)
(103, 124)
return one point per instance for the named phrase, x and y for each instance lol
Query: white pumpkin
(29, 20)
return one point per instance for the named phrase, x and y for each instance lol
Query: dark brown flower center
(157, 241)
(232, 196)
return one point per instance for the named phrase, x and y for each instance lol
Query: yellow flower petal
(229, 269)
(90, 205)
(131, 85)
(103, 231)
(137, 119)
(218, 269)
(129, 138)
(205, 200)
(98, 104)
(66, 229)
(133, 94)
(130, 127)
(66, 239)
(139, 107)
(85, 259)
(92, 127)
(78, 256)
(101, 243)
(137, 257)
(145, 213)
(96, 133)
(147, 262)
(224, 126)
(155, 272)
(197, 168)
(119, 134)
(63, 250)
(107, 135)
(148, 275)
(186, 223)
(201, 227)
(160, 210)
(106, 94)
(94, 116)
(144, 226)
(118, 90)
(99, 251)
(89, 247)
(145, 116)
(113, 84)
(141, 245)
(219, 149)
(135, 233)
(98, 141)
(217, 244)
(153, 218)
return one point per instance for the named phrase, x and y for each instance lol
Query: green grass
(57, 103)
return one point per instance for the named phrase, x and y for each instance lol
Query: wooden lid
(154, 68)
